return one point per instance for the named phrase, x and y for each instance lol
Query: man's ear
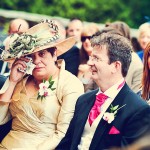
(117, 66)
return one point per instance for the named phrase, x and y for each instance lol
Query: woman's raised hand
(18, 69)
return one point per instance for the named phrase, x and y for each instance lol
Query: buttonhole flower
(110, 116)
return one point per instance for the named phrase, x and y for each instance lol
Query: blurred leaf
(99, 11)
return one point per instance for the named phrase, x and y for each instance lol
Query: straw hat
(37, 38)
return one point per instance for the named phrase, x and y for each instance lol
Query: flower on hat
(37, 37)
(110, 116)
(45, 88)
(19, 45)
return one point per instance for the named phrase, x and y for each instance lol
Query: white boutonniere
(45, 88)
(110, 116)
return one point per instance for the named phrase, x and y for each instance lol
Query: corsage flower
(45, 88)
(110, 116)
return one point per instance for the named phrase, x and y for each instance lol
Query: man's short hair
(119, 48)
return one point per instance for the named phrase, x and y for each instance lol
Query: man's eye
(96, 58)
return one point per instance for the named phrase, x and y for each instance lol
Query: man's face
(75, 29)
(18, 28)
(99, 64)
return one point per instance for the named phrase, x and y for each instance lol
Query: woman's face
(144, 39)
(87, 44)
(45, 64)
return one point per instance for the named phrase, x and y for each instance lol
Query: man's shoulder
(134, 100)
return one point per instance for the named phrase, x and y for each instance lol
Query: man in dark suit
(113, 116)
(72, 60)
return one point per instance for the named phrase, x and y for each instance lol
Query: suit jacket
(133, 121)
(72, 60)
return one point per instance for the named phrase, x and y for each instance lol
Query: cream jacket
(40, 124)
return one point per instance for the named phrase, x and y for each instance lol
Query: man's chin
(94, 75)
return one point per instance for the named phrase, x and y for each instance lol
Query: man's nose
(90, 62)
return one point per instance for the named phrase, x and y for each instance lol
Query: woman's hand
(18, 69)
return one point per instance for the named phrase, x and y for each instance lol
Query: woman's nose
(36, 60)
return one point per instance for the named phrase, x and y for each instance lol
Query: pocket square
(114, 130)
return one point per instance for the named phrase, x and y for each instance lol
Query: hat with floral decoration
(37, 38)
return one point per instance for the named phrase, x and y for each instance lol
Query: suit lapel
(103, 125)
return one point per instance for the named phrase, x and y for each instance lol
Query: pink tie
(95, 111)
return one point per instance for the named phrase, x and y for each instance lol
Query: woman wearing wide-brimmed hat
(40, 95)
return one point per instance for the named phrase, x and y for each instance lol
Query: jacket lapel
(103, 125)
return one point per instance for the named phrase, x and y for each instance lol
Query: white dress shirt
(89, 131)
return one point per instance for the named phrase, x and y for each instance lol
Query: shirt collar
(113, 90)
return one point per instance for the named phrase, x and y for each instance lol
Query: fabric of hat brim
(62, 47)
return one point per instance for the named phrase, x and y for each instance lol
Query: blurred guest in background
(17, 25)
(74, 28)
(71, 57)
(143, 38)
(84, 73)
(2, 80)
(136, 44)
(145, 89)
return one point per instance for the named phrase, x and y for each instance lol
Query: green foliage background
(133, 12)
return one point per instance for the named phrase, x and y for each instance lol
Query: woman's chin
(37, 74)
